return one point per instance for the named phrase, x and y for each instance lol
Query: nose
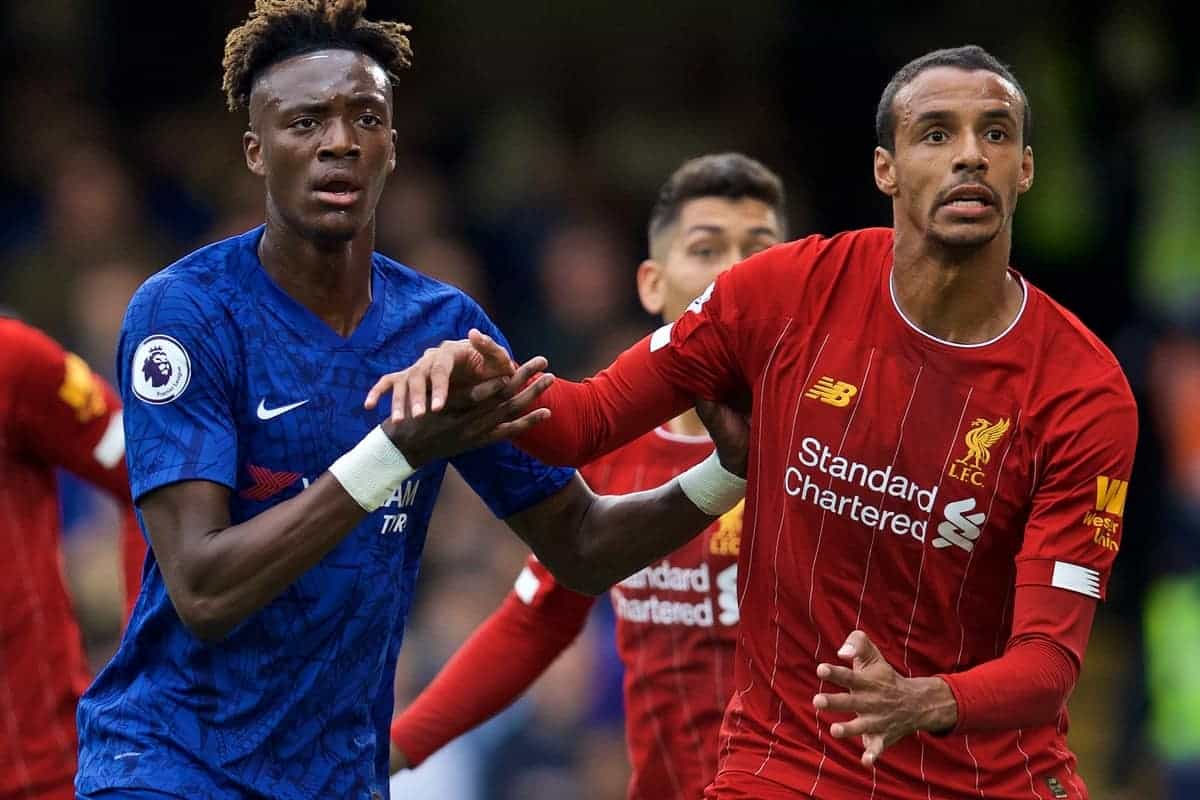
(339, 142)
(970, 156)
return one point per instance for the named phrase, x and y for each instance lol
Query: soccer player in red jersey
(54, 412)
(676, 618)
(939, 460)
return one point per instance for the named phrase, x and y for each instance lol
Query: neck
(687, 424)
(960, 295)
(330, 278)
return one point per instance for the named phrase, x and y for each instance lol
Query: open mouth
(338, 193)
(969, 200)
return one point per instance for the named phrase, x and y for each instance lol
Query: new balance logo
(267, 483)
(1110, 495)
(959, 528)
(265, 413)
(835, 393)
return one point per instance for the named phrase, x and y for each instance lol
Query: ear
(885, 172)
(650, 286)
(1026, 181)
(252, 148)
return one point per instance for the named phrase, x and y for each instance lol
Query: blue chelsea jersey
(226, 378)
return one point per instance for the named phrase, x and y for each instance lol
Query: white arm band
(372, 469)
(713, 489)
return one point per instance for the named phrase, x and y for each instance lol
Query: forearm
(605, 539)
(1030, 683)
(595, 416)
(1026, 687)
(229, 573)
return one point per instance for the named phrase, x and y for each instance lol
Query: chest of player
(296, 415)
(877, 438)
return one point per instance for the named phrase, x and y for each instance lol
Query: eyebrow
(358, 99)
(942, 115)
(717, 229)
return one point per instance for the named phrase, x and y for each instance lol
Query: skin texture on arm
(590, 542)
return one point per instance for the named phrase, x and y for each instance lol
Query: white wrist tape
(713, 489)
(372, 469)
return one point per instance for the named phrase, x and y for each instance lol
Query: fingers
(844, 677)
(873, 747)
(842, 701)
(399, 400)
(439, 382)
(495, 356)
(514, 429)
(381, 387)
(857, 727)
(859, 646)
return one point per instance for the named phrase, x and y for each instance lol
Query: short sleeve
(1077, 516)
(174, 364)
(506, 478)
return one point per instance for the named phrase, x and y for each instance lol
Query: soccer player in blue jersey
(287, 520)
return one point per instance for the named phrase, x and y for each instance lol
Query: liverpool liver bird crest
(980, 438)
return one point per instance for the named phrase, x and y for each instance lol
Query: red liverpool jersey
(675, 636)
(898, 484)
(54, 412)
(675, 629)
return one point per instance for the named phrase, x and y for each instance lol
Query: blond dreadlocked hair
(280, 29)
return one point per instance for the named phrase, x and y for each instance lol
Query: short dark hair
(729, 175)
(968, 57)
(279, 29)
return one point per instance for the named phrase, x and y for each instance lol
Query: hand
(730, 432)
(458, 363)
(888, 707)
(473, 417)
(396, 760)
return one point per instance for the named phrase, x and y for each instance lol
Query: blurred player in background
(939, 462)
(287, 523)
(675, 619)
(54, 413)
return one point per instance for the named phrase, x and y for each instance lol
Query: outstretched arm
(591, 542)
(218, 574)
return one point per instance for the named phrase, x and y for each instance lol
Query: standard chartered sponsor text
(869, 511)
(633, 606)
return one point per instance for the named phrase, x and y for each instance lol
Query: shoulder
(196, 288)
(1080, 379)
(23, 346)
(430, 293)
(802, 271)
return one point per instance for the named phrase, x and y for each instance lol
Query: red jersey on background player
(938, 469)
(675, 618)
(54, 412)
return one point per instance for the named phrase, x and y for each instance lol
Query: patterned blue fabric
(226, 378)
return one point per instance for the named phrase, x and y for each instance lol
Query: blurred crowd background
(533, 136)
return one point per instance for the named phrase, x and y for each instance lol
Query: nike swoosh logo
(265, 413)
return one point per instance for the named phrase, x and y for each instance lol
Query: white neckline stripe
(993, 340)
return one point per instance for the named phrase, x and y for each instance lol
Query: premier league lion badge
(161, 370)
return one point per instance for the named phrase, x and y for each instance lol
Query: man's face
(710, 236)
(959, 162)
(321, 135)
